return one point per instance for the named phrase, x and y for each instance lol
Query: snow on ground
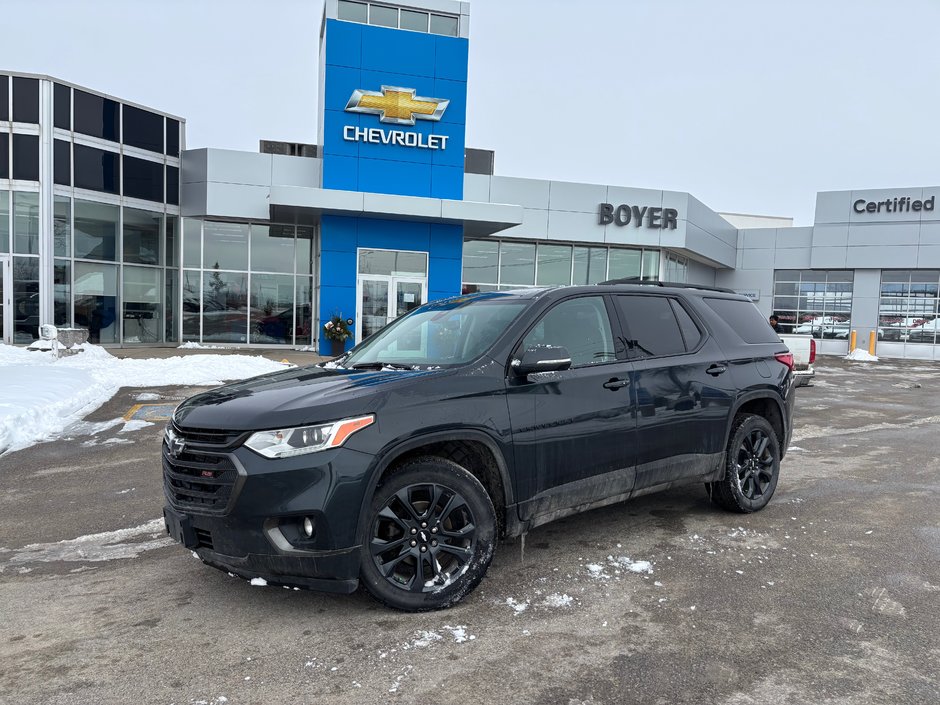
(860, 355)
(106, 546)
(41, 397)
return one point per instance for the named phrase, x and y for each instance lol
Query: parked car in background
(400, 464)
(803, 348)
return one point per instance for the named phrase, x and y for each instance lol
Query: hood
(294, 397)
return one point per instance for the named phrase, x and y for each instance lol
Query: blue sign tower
(393, 97)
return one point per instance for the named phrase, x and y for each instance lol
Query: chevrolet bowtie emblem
(399, 106)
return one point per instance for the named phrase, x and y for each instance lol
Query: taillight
(786, 359)
(812, 350)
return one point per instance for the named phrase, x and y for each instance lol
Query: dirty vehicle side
(399, 465)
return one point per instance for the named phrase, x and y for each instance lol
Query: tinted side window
(173, 185)
(4, 159)
(96, 169)
(143, 129)
(95, 116)
(580, 325)
(143, 179)
(25, 99)
(62, 162)
(744, 319)
(62, 106)
(26, 157)
(172, 137)
(690, 332)
(4, 97)
(653, 329)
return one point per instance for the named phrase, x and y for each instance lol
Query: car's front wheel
(429, 536)
(752, 466)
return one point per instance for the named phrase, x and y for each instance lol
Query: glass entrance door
(383, 299)
(390, 284)
(6, 304)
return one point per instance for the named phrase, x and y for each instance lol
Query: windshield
(444, 333)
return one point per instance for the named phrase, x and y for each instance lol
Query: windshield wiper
(380, 365)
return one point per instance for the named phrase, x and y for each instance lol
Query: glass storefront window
(4, 221)
(590, 265)
(96, 302)
(625, 264)
(481, 261)
(62, 226)
(25, 223)
(225, 307)
(142, 300)
(62, 292)
(143, 231)
(95, 230)
(172, 224)
(908, 310)
(225, 246)
(650, 265)
(517, 263)
(303, 321)
(272, 309)
(25, 299)
(393, 263)
(272, 248)
(192, 304)
(814, 302)
(171, 305)
(554, 265)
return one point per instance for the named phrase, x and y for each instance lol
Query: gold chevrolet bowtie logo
(399, 106)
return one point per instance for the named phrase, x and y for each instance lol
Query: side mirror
(542, 358)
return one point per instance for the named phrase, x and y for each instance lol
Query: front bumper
(248, 531)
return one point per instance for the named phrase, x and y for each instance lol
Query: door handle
(716, 370)
(615, 384)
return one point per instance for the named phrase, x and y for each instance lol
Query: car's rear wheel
(752, 466)
(429, 536)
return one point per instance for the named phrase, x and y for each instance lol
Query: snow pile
(41, 396)
(860, 355)
(192, 345)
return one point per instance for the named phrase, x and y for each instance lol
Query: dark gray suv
(399, 465)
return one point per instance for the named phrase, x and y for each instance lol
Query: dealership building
(109, 221)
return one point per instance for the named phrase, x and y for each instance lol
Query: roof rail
(676, 285)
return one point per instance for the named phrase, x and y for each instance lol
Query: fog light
(308, 527)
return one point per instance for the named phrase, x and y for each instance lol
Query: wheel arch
(488, 466)
(766, 405)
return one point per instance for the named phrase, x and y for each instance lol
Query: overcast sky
(750, 106)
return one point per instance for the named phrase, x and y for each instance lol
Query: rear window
(744, 319)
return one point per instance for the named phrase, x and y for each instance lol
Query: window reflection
(814, 302)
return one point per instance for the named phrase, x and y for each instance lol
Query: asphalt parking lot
(830, 595)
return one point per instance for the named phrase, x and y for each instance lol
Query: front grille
(198, 478)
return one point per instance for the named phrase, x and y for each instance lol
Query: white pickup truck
(803, 348)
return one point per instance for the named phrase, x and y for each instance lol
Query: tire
(752, 466)
(428, 537)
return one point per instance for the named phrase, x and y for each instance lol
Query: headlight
(287, 442)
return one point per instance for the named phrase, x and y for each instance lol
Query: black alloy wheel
(752, 466)
(429, 538)
(755, 464)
